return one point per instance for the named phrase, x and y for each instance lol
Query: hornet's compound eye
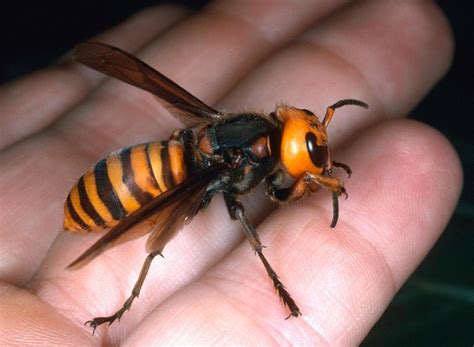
(318, 154)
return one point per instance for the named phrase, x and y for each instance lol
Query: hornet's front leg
(335, 185)
(296, 191)
(305, 182)
(236, 212)
(343, 166)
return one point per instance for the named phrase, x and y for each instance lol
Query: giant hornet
(161, 185)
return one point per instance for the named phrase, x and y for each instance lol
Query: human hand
(210, 288)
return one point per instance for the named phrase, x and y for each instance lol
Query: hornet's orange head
(304, 146)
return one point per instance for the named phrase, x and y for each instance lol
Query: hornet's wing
(124, 66)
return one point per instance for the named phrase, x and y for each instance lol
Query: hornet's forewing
(117, 63)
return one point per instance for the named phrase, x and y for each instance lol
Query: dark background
(436, 305)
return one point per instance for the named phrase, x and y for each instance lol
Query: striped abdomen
(123, 182)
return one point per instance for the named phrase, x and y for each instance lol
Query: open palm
(210, 288)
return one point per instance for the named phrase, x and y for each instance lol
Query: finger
(342, 278)
(27, 320)
(31, 103)
(342, 58)
(106, 119)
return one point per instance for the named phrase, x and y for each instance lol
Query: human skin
(210, 287)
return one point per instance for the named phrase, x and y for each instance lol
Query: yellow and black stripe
(122, 183)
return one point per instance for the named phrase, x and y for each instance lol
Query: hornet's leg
(287, 194)
(94, 323)
(302, 184)
(335, 185)
(236, 211)
(343, 166)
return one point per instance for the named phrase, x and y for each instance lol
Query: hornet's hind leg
(236, 212)
(94, 323)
